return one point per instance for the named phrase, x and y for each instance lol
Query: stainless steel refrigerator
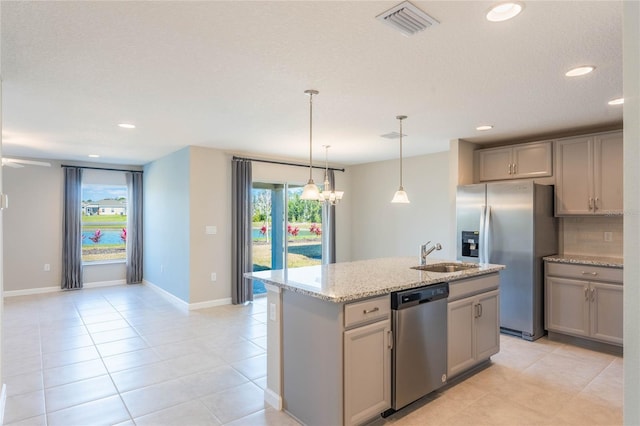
(510, 223)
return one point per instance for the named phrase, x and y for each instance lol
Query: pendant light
(329, 195)
(400, 196)
(310, 190)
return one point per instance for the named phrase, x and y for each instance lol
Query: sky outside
(95, 192)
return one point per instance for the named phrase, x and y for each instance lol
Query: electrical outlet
(210, 229)
(214, 276)
(47, 267)
(608, 236)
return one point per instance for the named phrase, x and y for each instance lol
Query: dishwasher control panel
(416, 296)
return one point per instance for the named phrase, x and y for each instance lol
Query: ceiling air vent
(407, 19)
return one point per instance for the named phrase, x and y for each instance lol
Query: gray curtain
(241, 259)
(329, 225)
(71, 229)
(134, 227)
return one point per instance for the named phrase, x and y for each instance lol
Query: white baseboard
(3, 402)
(30, 291)
(41, 290)
(273, 399)
(184, 305)
(179, 303)
(209, 304)
(104, 283)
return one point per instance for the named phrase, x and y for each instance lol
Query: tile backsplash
(586, 236)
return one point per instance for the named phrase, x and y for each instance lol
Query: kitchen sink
(446, 267)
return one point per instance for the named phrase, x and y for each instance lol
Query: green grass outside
(105, 218)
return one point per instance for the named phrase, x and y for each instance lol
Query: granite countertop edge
(374, 288)
(610, 262)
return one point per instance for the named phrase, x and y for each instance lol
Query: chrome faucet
(424, 251)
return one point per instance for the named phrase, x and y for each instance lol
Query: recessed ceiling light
(618, 101)
(578, 71)
(504, 11)
(94, 156)
(127, 126)
(482, 128)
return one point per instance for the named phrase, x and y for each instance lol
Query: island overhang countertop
(349, 281)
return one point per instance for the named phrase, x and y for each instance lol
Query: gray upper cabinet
(529, 160)
(589, 175)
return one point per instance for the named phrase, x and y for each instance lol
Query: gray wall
(32, 227)
(166, 223)
(382, 229)
(631, 212)
(210, 205)
(33, 231)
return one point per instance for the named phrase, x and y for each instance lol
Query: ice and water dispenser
(470, 240)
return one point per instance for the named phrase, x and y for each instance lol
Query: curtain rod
(285, 163)
(103, 168)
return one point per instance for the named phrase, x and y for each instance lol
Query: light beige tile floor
(124, 355)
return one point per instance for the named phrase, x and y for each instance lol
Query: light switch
(211, 229)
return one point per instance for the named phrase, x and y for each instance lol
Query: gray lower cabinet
(584, 301)
(336, 359)
(473, 329)
(367, 371)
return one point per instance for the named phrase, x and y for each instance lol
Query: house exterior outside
(104, 207)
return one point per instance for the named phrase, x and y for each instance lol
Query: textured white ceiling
(231, 75)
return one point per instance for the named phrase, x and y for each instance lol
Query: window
(104, 216)
(280, 243)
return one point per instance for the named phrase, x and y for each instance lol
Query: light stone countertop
(611, 262)
(349, 281)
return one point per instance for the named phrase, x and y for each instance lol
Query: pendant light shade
(400, 196)
(310, 190)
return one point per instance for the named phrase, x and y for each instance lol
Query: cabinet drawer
(585, 272)
(473, 286)
(367, 310)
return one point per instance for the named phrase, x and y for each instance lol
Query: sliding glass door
(287, 231)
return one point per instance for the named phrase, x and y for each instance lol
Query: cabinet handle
(590, 203)
(477, 310)
(595, 204)
(389, 339)
(515, 169)
(370, 311)
(586, 294)
(510, 167)
(593, 294)
(589, 273)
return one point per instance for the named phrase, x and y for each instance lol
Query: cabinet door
(574, 176)
(495, 164)
(487, 324)
(460, 336)
(608, 174)
(606, 312)
(367, 371)
(532, 160)
(568, 306)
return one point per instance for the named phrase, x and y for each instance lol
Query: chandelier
(329, 195)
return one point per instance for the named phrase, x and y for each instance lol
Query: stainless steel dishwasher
(419, 355)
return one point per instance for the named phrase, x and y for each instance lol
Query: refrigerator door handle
(487, 236)
(481, 254)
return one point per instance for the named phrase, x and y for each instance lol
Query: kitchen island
(329, 335)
